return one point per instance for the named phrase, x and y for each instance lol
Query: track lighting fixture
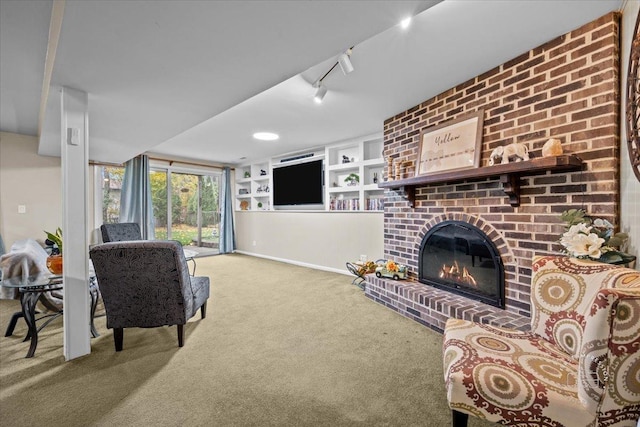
(345, 64)
(321, 91)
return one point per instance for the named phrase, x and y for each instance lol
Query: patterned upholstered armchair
(120, 232)
(579, 365)
(147, 284)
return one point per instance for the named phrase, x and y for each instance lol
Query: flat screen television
(299, 185)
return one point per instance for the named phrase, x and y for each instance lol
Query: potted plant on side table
(54, 260)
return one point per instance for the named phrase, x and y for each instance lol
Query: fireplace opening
(458, 257)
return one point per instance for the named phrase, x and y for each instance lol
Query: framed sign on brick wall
(451, 145)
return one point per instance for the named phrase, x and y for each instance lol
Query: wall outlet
(22, 209)
(254, 243)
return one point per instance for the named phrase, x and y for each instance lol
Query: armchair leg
(203, 310)
(118, 337)
(180, 335)
(459, 419)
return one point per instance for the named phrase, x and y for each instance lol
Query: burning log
(454, 272)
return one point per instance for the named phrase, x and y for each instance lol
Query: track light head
(345, 62)
(321, 91)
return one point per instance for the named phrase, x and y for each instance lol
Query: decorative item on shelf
(589, 238)
(263, 189)
(243, 191)
(454, 144)
(390, 169)
(552, 147)
(345, 159)
(514, 152)
(263, 172)
(375, 177)
(247, 174)
(392, 270)
(352, 179)
(259, 205)
(396, 169)
(244, 205)
(54, 260)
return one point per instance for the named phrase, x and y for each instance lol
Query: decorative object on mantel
(552, 147)
(593, 238)
(633, 102)
(451, 145)
(514, 152)
(352, 179)
(54, 260)
(390, 169)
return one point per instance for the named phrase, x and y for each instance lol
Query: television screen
(299, 184)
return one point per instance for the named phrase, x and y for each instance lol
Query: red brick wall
(568, 89)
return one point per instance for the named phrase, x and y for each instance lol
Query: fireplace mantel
(509, 175)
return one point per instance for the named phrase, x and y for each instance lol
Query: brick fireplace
(568, 89)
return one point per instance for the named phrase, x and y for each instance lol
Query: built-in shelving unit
(253, 186)
(362, 157)
(509, 175)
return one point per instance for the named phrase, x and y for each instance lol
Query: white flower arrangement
(590, 238)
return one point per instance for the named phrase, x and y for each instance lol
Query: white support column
(75, 178)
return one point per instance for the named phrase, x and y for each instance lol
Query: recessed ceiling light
(266, 136)
(404, 24)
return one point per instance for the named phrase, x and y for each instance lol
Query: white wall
(629, 184)
(316, 239)
(28, 179)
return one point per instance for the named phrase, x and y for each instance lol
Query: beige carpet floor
(281, 346)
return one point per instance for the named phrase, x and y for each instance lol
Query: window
(111, 188)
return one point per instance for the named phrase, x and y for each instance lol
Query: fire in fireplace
(459, 257)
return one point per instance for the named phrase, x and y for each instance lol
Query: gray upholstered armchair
(120, 232)
(147, 284)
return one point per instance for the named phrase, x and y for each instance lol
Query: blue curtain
(135, 198)
(227, 233)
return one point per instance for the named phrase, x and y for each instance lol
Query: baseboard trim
(298, 263)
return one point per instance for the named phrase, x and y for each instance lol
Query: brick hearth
(432, 307)
(567, 89)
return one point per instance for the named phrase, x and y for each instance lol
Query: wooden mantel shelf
(509, 175)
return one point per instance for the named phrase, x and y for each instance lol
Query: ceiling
(194, 80)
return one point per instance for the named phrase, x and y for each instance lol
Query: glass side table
(190, 255)
(32, 289)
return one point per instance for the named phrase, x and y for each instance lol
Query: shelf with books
(352, 173)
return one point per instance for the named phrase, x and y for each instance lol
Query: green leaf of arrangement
(55, 238)
(611, 257)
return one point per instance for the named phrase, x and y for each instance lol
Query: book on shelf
(344, 205)
(375, 204)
